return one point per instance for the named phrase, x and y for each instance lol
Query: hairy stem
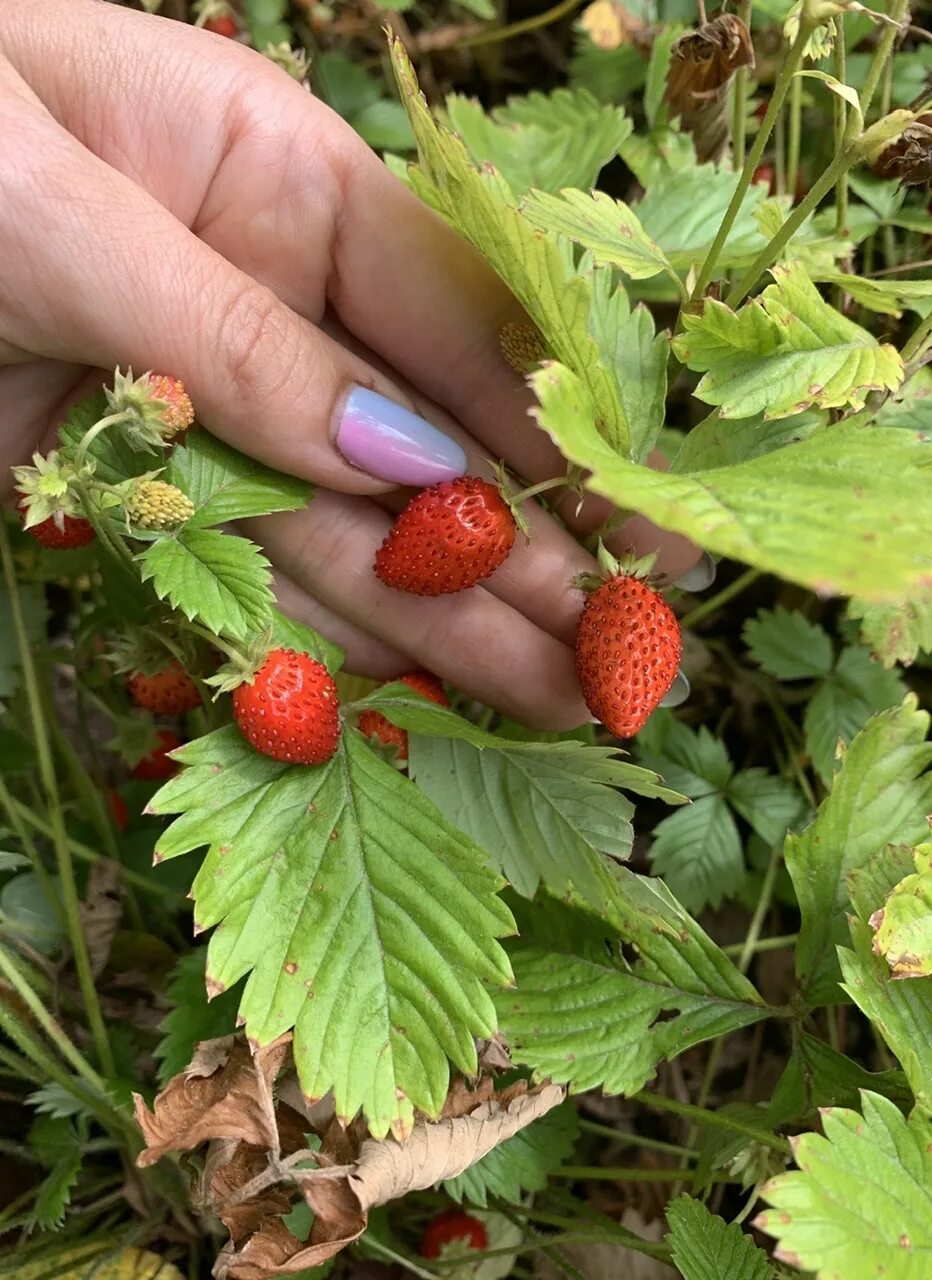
(710, 606)
(841, 126)
(898, 11)
(713, 1118)
(739, 102)
(545, 19)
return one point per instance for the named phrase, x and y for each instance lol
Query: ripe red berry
(628, 647)
(290, 711)
(119, 810)
(224, 25)
(765, 176)
(453, 1225)
(157, 766)
(75, 531)
(448, 538)
(168, 691)
(374, 725)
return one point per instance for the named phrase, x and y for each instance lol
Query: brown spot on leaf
(290, 967)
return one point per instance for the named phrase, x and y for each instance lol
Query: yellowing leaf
(903, 925)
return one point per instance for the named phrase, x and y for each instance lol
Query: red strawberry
(448, 538)
(75, 531)
(222, 26)
(168, 691)
(119, 810)
(374, 725)
(453, 1225)
(290, 710)
(157, 766)
(628, 647)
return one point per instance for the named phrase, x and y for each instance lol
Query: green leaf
(479, 205)
(344, 84)
(682, 212)
(768, 803)
(524, 1163)
(782, 512)
(35, 612)
(871, 882)
(819, 1076)
(542, 140)
(28, 914)
(903, 926)
(607, 228)
(694, 762)
(717, 443)
(911, 407)
(114, 459)
(787, 645)
(901, 1012)
(880, 794)
(17, 754)
(194, 1017)
(784, 352)
(363, 920)
(579, 1014)
(848, 698)
(225, 485)
(889, 297)
(860, 1205)
(216, 578)
(545, 813)
(896, 632)
(288, 634)
(384, 125)
(54, 1193)
(698, 852)
(706, 1248)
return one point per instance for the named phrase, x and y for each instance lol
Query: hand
(170, 200)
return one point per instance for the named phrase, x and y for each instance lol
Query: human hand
(171, 200)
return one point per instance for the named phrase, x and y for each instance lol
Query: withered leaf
(909, 158)
(702, 64)
(226, 1092)
(229, 1166)
(101, 911)
(275, 1252)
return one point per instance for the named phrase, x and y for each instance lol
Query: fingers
(478, 642)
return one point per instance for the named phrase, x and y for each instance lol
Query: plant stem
(918, 340)
(556, 482)
(562, 10)
(600, 1173)
(112, 420)
(714, 1119)
(765, 944)
(787, 72)
(59, 834)
(635, 1139)
(898, 10)
(796, 112)
(701, 611)
(841, 125)
(739, 102)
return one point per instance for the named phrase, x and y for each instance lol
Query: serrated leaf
(903, 925)
(896, 632)
(194, 1016)
(698, 853)
(225, 485)
(717, 443)
(768, 803)
(542, 140)
(819, 1076)
(524, 1163)
(901, 1012)
(783, 352)
(54, 1193)
(363, 920)
(35, 612)
(787, 645)
(860, 1205)
(871, 882)
(479, 205)
(847, 699)
(683, 210)
(782, 512)
(114, 459)
(880, 794)
(216, 578)
(704, 1247)
(580, 1015)
(692, 761)
(888, 297)
(609, 229)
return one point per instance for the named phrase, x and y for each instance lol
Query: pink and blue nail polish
(386, 440)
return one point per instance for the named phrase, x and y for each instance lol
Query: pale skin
(170, 200)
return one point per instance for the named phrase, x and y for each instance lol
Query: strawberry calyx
(627, 566)
(50, 489)
(242, 665)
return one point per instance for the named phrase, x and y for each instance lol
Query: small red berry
(157, 765)
(224, 25)
(628, 646)
(178, 414)
(448, 538)
(75, 531)
(167, 692)
(119, 810)
(374, 725)
(290, 711)
(453, 1225)
(765, 176)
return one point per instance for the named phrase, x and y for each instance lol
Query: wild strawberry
(374, 725)
(153, 504)
(225, 25)
(764, 176)
(449, 1226)
(157, 765)
(628, 646)
(61, 532)
(448, 538)
(289, 710)
(168, 691)
(178, 413)
(119, 810)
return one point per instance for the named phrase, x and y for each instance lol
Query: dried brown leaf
(101, 911)
(226, 1092)
(702, 64)
(275, 1252)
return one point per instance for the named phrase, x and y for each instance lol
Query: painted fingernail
(700, 576)
(386, 440)
(677, 693)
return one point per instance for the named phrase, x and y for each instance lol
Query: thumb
(132, 285)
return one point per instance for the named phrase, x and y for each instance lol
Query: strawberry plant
(304, 974)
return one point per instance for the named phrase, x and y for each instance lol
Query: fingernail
(386, 440)
(677, 693)
(700, 576)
